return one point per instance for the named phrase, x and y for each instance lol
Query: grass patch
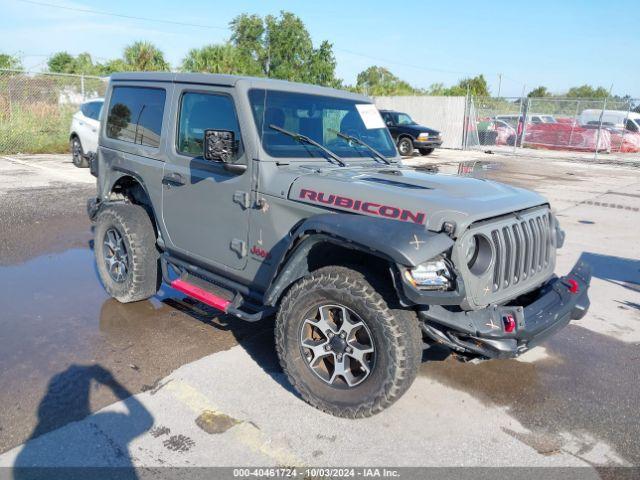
(35, 128)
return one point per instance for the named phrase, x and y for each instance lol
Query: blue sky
(558, 44)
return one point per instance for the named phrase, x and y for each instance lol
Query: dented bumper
(510, 330)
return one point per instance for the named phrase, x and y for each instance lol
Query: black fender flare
(401, 243)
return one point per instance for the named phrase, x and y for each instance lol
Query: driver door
(203, 207)
(391, 124)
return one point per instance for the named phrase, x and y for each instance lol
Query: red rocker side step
(201, 295)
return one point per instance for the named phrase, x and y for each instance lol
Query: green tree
(321, 67)
(476, 86)
(587, 91)
(380, 81)
(112, 66)
(10, 62)
(436, 89)
(248, 36)
(144, 57)
(281, 47)
(539, 92)
(61, 62)
(223, 58)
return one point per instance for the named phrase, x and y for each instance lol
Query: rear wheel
(126, 253)
(426, 151)
(405, 147)
(343, 347)
(77, 154)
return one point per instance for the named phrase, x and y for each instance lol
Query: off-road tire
(395, 331)
(143, 277)
(77, 153)
(405, 147)
(426, 151)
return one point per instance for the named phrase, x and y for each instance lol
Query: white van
(621, 119)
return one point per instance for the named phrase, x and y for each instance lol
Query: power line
(402, 64)
(218, 27)
(120, 15)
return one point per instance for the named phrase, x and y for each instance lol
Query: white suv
(83, 136)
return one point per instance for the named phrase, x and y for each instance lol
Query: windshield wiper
(304, 139)
(357, 141)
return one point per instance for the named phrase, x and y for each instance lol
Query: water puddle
(585, 383)
(56, 322)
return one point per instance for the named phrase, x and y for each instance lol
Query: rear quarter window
(91, 110)
(135, 115)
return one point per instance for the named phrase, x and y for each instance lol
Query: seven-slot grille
(522, 249)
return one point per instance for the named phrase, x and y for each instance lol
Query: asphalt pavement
(85, 380)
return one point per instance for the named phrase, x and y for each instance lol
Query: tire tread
(401, 325)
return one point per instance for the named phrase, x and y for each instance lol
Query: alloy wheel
(337, 345)
(115, 255)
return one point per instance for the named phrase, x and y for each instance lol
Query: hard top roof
(232, 81)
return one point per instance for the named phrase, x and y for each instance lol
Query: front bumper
(431, 143)
(483, 332)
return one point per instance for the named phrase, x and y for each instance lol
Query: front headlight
(431, 275)
(423, 136)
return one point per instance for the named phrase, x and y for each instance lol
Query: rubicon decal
(371, 208)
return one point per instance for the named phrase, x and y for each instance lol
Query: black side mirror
(389, 123)
(219, 145)
(222, 146)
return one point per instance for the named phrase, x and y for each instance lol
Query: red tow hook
(573, 286)
(509, 323)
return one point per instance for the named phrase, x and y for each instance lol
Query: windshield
(404, 119)
(319, 118)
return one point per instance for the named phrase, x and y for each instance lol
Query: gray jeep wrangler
(262, 197)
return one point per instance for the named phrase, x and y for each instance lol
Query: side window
(200, 112)
(135, 115)
(85, 108)
(631, 126)
(93, 110)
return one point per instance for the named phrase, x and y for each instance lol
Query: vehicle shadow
(619, 270)
(257, 339)
(60, 448)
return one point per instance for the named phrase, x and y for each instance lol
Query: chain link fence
(600, 128)
(36, 109)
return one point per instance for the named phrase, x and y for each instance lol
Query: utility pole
(499, 84)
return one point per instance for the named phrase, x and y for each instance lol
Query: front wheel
(405, 147)
(343, 347)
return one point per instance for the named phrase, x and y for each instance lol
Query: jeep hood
(406, 194)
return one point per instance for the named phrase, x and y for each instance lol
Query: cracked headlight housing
(434, 274)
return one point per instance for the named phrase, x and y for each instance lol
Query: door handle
(173, 179)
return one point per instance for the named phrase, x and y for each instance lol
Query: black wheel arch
(405, 135)
(127, 186)
(334, 239)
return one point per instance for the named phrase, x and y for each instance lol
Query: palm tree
(144, 56)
